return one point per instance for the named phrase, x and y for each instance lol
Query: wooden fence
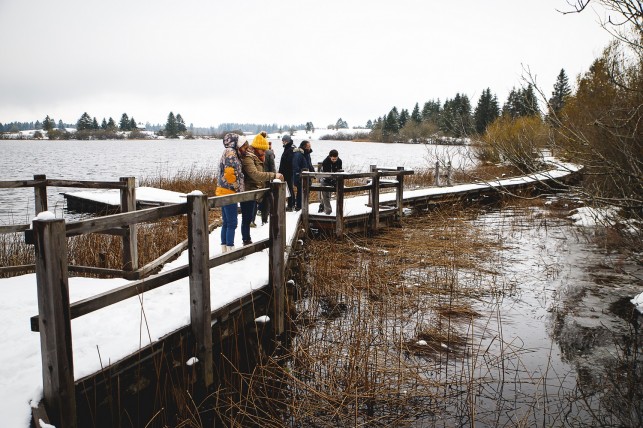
(49, 236)
(374, 184)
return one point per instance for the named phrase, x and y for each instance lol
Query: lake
(108, 160)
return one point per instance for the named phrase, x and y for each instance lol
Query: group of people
(248, 166)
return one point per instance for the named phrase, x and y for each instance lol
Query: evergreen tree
(111, 124)
(61, 125)
(431, 111)
(180, 124)
(404, 117)
(95, 124)
(171, 128)
(560, 93)
(103, 125)
(48, 124)
(369, 124)
(341, 124)
(486, 111)
(1, 127)
(84, 123)
(132, 124)
(416, 116)
(124, 123)
(455, 118)
(38, 125)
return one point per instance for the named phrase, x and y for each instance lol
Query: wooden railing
(55, 312)
(374, 185)
(127, 187)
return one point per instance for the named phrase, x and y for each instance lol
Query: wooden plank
(55, 321)
(83, 184)
(14, 228)
(276, 255)
(155, 264)
(97, 270)
(200, 312)
(40, 193)
(375, 203)
(219, 201)
(305, 198)
(18, 268)
(339, 228)
(128, 204)
(18, 184)
(98, 224)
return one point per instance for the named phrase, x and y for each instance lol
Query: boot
(224, 248)
(230, 248)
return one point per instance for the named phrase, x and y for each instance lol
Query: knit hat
(241, 141)
(286, 139)
(260, 142)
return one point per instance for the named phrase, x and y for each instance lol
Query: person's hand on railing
(279, 176)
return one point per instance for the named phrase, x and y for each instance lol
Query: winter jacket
(269, 161)
(285, 164)
(230, 177)
(329, 166)
(254, 175)
(300, 161)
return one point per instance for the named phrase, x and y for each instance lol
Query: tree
(180, 124)
(341, 124)
(124, 123)
(431, 111)
(61, 125)
(111, 124)
(559, 95)
(103, 125)
(48, 124)
(171, 127)
(84, 123)
(95, 126)
(132, 124)
(369, 124)
(416, 116)
(455, 118)
(403, 118)
(486, 111)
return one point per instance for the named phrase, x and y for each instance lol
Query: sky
(284, 62)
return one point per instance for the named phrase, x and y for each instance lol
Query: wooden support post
(200, 310)
(277, 254)
(400, 193)
(128, 204)
(54, 321)
(339, 218)
(40, 193)
(375, 202)
(305, 200)
(449, 174)
(372, 168)
(437, 174)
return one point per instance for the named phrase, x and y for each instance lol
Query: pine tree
(415, 115)
(124, 123)
(103, 125)
(560, 93)
(84, 123)
(95, 124)
(111, 124)
(404, 118)
(61, 125)
(171, 128)
(48, 124)
(180, 124)
(486, 111)
(132, 124)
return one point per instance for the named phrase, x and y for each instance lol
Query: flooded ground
(507, 316)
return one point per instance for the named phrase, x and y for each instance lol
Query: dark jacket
(285, 164)
(269, 161)
(329, 166)
(300, 161)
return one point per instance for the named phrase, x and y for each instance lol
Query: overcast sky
(285, 61)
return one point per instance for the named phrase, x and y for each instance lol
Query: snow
(138, 321)
(143, 194)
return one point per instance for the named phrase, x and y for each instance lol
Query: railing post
(372, 168)
(276, 253)
(54, 321)
(449, 174)
(375, 201)
(305, 199)
(339, 218)
(400, 193)
(40, 193)
(200, 311)
(128, 204)
(437, 174)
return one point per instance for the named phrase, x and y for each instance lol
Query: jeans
(248, 210)
(229, 216)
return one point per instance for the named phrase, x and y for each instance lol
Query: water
(110, 159)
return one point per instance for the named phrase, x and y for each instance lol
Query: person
(300, 161)
(332, 163)
(268, 166)
(255, 178)
(285, 169)
(230, 180)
